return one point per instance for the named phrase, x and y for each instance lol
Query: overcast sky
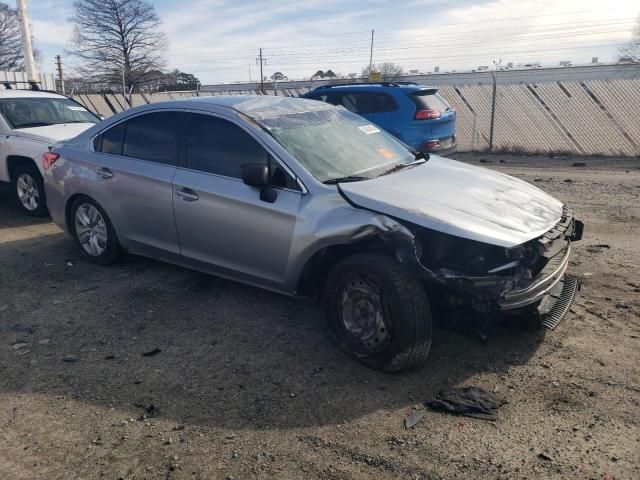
(217, 40)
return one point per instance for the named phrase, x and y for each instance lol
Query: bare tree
(116, 37)
(11, 55)
(632, 49)
(388, 71)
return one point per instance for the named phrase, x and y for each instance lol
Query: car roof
(264, 106)
(15, 93)
(400, 86)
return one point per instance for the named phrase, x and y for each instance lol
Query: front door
(223, 225)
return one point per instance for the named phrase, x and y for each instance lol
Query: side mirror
(255, 175)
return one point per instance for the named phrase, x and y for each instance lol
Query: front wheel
(377, 312)
(27, 188)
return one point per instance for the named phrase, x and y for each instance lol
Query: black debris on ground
(151, 353)
(467, 401)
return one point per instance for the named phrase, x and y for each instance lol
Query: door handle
(187, 194)
(104, 173)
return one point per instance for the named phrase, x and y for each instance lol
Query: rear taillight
(427, 114)
(48, 159)
(431, 144)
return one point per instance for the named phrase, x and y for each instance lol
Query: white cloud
(218, 40)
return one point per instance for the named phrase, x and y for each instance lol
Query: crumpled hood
(52, 133)
(462, 200)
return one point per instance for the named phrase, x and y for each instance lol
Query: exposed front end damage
(529, 277)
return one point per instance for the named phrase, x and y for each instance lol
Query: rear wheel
(27, 188)
(378, 312)
(94, 232)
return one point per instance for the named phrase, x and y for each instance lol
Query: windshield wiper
(400, 166)
(348, 178)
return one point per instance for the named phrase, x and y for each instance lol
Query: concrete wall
(583, 110)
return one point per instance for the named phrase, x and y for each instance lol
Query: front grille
(551, 319)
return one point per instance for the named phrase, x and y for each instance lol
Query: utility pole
(30, 64)
(263, 61)
(60, 76)
(371, 54)
(494, 74)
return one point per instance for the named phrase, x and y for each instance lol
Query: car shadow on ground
(202, 349)
(10, 215)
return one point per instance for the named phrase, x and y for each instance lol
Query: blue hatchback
(416, 114)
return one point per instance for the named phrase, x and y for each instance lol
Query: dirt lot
(246, 385)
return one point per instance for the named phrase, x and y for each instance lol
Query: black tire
(404, 340)
(29, 170)
(112, 250)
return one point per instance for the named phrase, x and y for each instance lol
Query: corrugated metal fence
(46, 81)
(590, 117)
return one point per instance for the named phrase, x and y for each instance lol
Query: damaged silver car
(307, 199)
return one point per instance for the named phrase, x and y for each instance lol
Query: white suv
(30, 123)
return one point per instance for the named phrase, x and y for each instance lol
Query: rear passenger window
(384, 103)
(367, 102)
(154, 137)
(111, 141)
(217, 146)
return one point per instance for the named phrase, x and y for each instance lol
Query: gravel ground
(242, 383)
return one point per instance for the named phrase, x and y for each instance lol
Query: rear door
(362, 103)
(387, 112)
(223, 225)
(132, 170)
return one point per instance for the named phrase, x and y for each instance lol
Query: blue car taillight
(429, 114)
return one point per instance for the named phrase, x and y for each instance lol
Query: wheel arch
(319, 265)
(15, 161)
(67, 212)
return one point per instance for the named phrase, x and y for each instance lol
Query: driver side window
(218, 146)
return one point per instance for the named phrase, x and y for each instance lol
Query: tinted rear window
(360, 102)
(430, 100)
(111, 141)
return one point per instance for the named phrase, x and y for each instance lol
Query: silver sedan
(307, 199)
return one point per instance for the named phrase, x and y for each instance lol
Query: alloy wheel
(91, 229)
(28, 193)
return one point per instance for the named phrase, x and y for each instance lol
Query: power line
(342, 53)
(431, 57)
(562, 26)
